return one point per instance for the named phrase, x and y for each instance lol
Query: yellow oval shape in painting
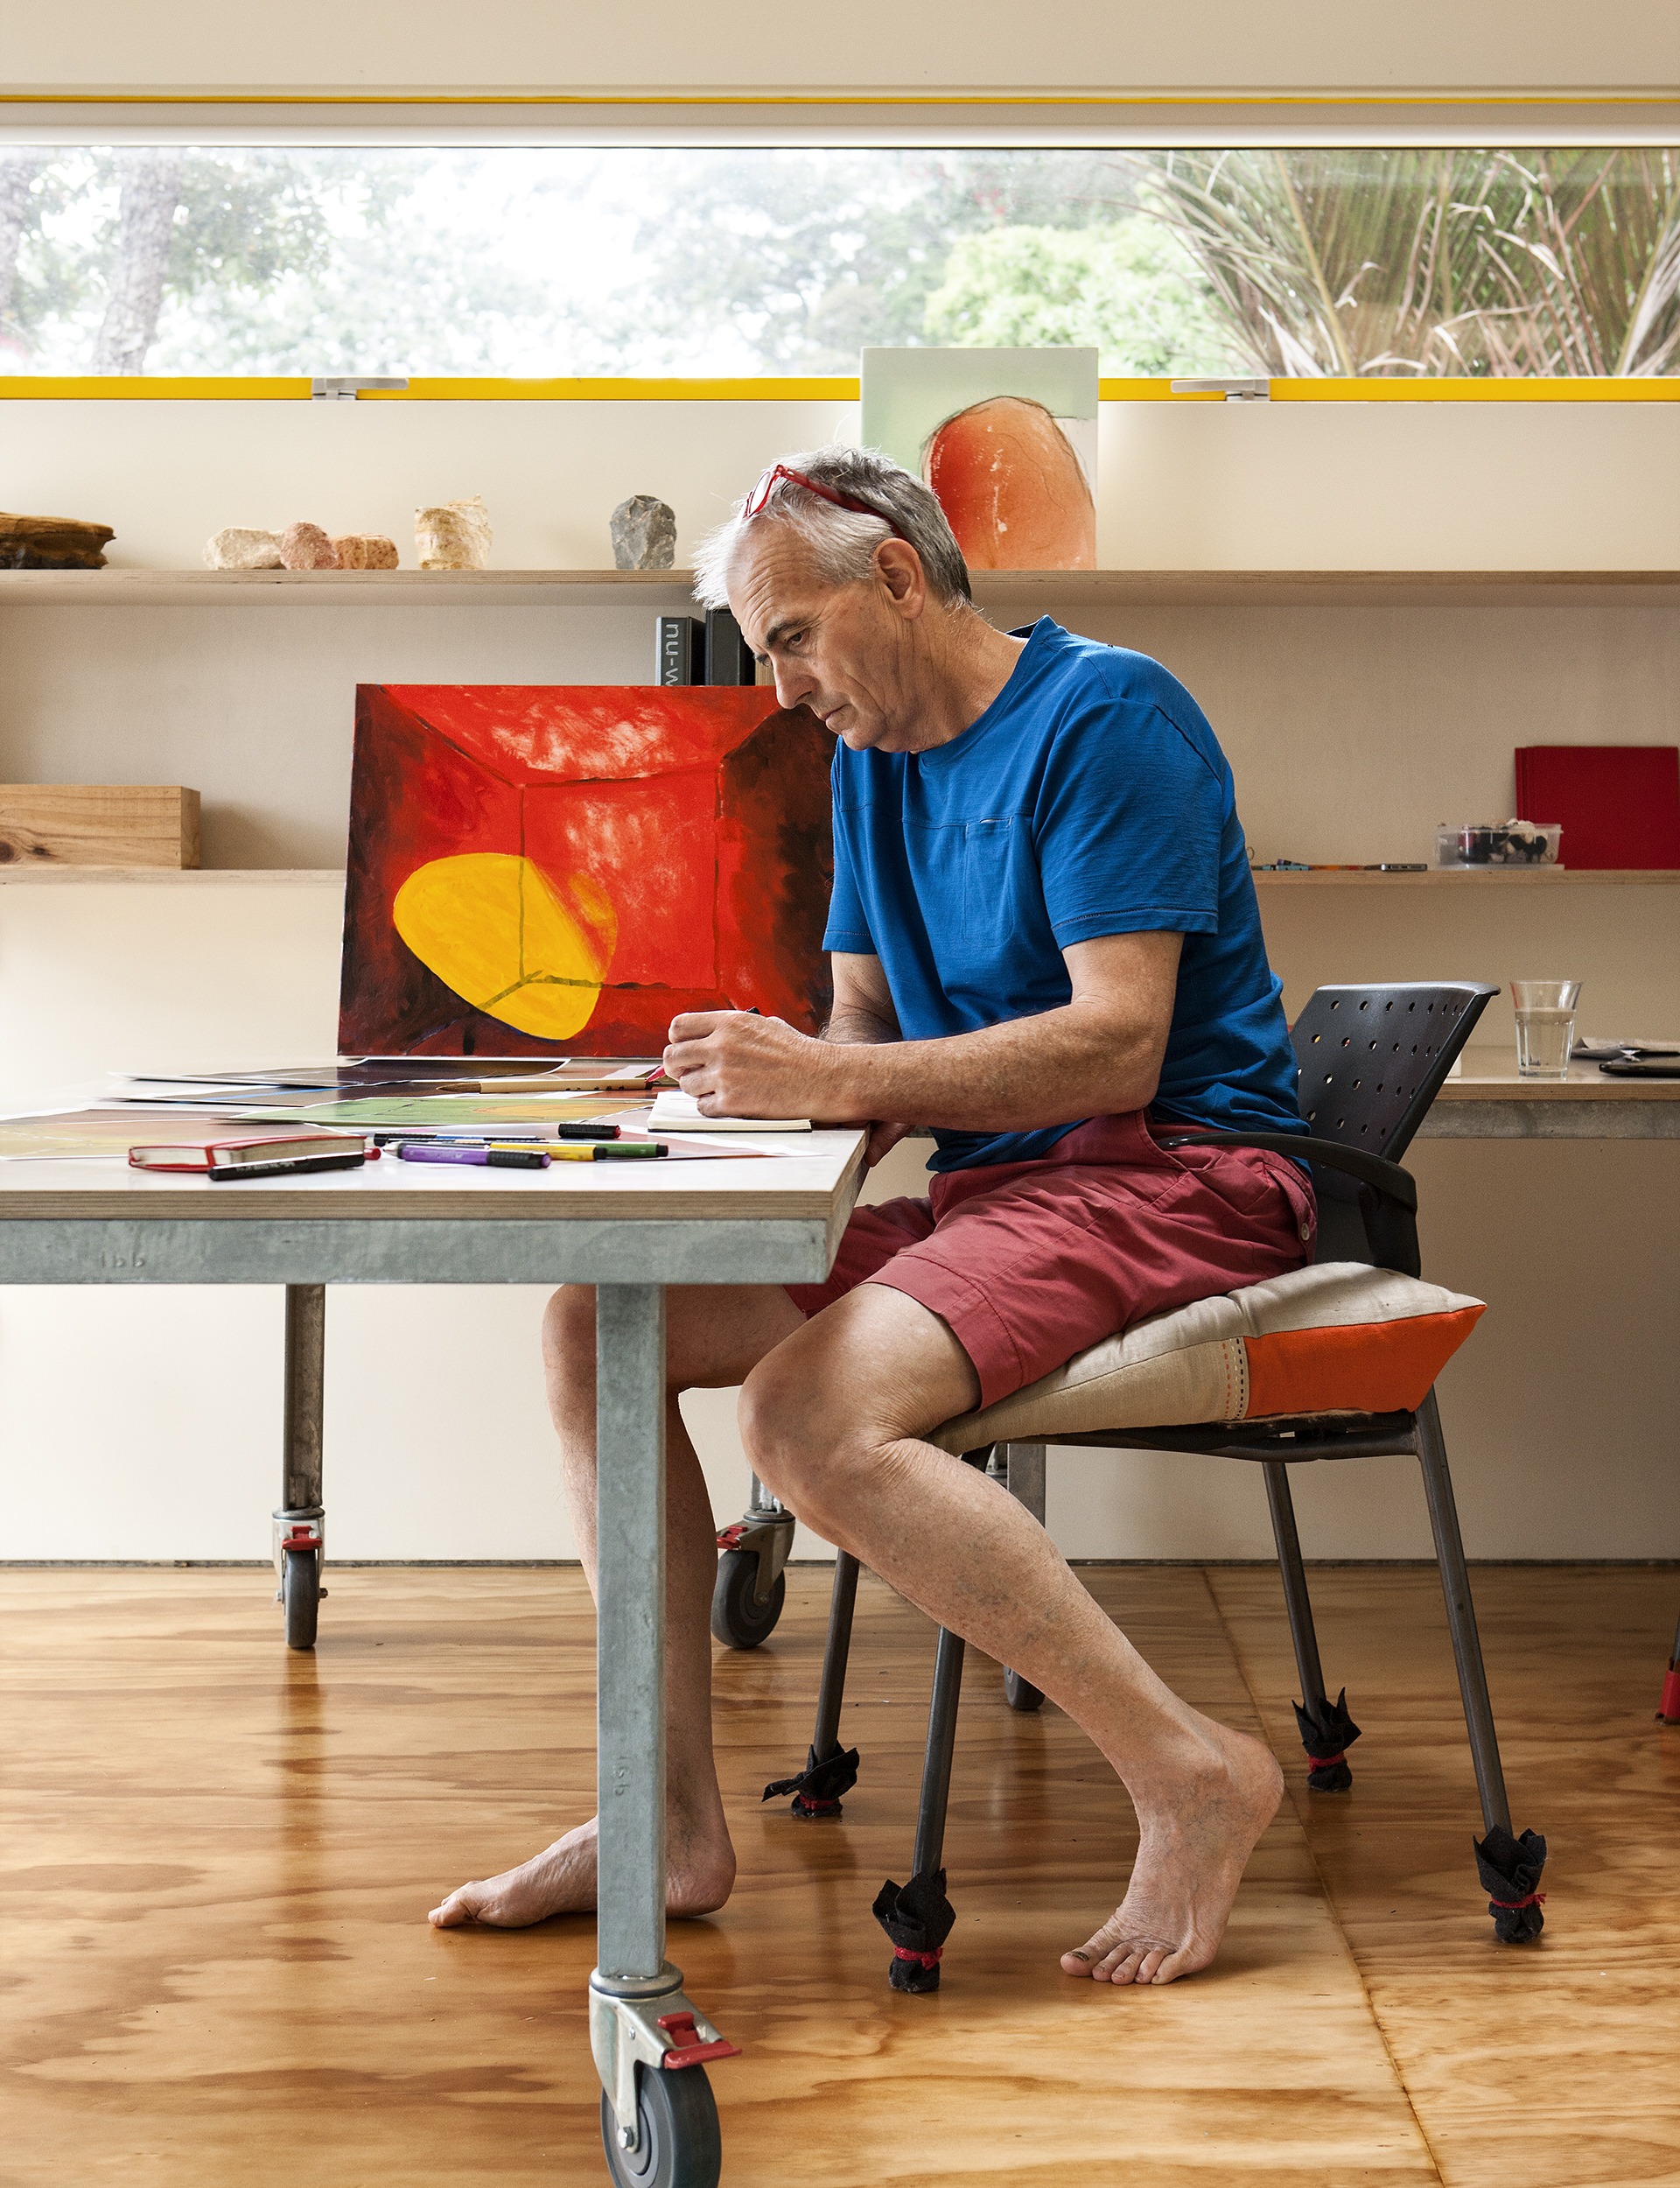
(493, 927)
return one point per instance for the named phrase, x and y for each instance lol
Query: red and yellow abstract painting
(541, 870)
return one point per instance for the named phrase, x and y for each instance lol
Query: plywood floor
(219, 1858)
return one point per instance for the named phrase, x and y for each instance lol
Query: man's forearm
(1078, 1060)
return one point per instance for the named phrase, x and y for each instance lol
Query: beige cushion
(1337, 1338)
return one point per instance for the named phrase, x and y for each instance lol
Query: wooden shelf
(1466, 880)
(1036, 589)
(320, 877)
(192, 877)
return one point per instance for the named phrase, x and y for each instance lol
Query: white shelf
(1038, 589)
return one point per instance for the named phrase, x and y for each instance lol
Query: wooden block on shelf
(98, 825)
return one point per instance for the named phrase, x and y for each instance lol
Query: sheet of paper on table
(681, 1112)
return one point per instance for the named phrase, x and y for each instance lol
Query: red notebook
(1618, 804)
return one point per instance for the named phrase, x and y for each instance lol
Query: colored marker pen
(481, 1158)
(609, 1151)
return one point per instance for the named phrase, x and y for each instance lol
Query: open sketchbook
(681, 1112)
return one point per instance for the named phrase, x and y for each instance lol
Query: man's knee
(569, 1326)
(804, 1444)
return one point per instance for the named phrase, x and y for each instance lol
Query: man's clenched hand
(737, 1064)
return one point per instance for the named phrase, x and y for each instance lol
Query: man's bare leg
(714, 1336)
(832, 1420)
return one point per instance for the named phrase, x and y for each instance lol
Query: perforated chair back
(1372, 1059)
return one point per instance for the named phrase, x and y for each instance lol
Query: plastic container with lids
(1511, 843)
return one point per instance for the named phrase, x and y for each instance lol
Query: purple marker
(479, 1158)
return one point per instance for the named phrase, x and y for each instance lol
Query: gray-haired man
(1044, 940)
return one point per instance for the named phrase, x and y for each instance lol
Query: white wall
(142, 1423)
(146, 1424)
(1183, 486)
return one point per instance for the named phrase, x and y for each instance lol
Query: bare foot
(561, 1880)
(1191, 1854)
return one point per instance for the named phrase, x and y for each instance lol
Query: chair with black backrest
(1337, 1361)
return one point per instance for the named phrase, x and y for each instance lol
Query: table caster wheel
(301, 1591)
(1020, 1693)
(739, 1620)
(677, 2141)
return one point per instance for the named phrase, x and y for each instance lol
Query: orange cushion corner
(1375, 1367)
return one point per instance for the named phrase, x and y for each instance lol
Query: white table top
(814, 1177)
(1490, 1074)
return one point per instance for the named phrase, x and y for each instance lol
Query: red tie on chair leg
(817, 1789)
(917, 1918)
(1509, 1869)
(1327, 1743)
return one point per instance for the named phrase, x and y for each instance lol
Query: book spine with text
(679, 650)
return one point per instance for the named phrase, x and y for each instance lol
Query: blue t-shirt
(1090, 798)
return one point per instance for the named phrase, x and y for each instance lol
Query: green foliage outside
(1127, 288)
(1438, 262)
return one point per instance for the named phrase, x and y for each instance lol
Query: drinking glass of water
(1545, 1026)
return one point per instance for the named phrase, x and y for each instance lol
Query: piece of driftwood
(52, 542)
(98, 825)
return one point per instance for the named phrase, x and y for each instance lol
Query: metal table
(630, 1234)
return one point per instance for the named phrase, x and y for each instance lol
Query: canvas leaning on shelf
(1005, 438)
(538, 868)
(1619, 805)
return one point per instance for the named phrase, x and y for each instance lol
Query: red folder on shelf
(1618, 804)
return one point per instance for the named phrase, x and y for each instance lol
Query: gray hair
(843, 542)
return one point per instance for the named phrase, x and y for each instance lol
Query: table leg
(649, 2042)
(300, 1524)
(630, 1594)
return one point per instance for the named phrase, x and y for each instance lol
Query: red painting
(553, 870)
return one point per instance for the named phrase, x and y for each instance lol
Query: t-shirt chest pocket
(989, 886)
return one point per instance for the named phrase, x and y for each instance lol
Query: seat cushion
(1336, 1338)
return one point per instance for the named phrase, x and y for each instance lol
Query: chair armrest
(1386, 1178)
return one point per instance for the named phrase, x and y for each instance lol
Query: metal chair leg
(1020, 1467)
(918, 1917)
(829, 1770)
(1326, 1729)
(1510, 1866)
(1461, 1618)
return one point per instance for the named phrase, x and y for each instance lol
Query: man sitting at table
(1047, 946)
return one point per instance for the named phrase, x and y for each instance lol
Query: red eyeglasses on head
(760, 495)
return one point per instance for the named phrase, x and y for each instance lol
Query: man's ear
(900, 568)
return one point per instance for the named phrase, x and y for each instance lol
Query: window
(1387, 263)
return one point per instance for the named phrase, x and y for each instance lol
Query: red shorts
(1031, 1262)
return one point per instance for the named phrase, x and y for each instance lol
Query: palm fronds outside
(1441, 261)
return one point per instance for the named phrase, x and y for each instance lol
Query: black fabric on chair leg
(830, 1769)
(1509, 1866)
(917, 1916)
(1326, 1729)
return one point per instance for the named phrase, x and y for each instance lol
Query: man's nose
(795, 683)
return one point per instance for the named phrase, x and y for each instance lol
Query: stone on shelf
(52, 542)
(453, 535)
(306, 547)
(242, 547)
(366, 551)
(643, 532)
